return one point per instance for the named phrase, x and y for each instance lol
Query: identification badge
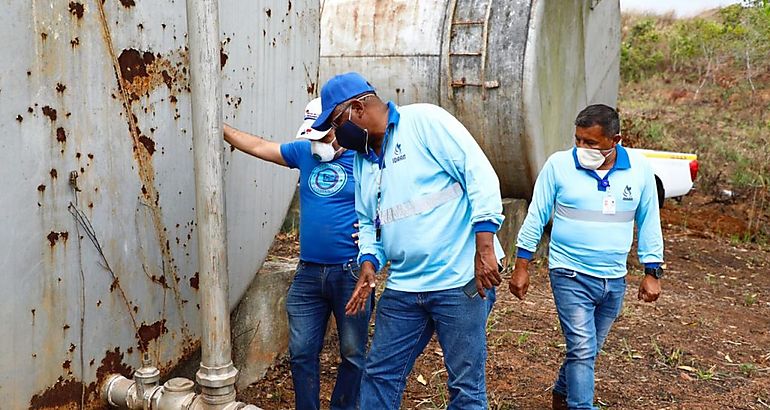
(608, 205)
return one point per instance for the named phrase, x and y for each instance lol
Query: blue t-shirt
(326, 204)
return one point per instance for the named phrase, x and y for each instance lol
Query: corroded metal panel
(514, 72)
(493, 114)
(98, 251)
(396, 44)
(573, 61)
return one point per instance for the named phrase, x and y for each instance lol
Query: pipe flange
(216, 378)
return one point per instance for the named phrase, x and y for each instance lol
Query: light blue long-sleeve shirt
(587, 237)
(437, 189)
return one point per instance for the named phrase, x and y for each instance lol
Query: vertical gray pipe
(217, 374)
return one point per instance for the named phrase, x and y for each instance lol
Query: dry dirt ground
(704, 345)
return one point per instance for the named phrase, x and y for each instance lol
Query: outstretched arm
(254, 145)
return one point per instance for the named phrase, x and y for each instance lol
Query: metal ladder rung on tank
(481, 54)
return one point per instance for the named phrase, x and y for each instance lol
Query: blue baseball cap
(337, 90)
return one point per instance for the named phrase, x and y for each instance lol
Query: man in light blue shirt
(595, 192)
(428, 202)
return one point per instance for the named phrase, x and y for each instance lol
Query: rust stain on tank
(143, 71)
(54, 237)
(63, 394)
(19, 118)
(76, 9)
(148, 144)
(127, 3)
(222, 57)
(161, 280)
(114, 285)
(60, 87)
(134, 64)
(49, 112)
(311, 88)
(41, 188)
(54, 173)
(61, 135)
(148, 333)
(195, 281)
(112, 363)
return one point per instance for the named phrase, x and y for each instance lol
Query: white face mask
(592, 159)
(323, 151)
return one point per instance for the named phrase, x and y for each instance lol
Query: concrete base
(260, 330)
(515, 211)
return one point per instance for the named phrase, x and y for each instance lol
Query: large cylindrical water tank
(515, 72)
(98, 243)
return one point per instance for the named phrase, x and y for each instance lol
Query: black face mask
(351, 136)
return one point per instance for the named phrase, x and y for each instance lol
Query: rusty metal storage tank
(98, 248)
(515, 72)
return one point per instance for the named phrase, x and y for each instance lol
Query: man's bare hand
(364, 288)
(519, 282)
(649, 290)
(487, 274)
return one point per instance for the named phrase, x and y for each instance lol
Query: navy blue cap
(337, 90)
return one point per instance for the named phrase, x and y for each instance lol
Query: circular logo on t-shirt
(327, 179)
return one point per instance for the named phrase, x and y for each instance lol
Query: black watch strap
(657, 273)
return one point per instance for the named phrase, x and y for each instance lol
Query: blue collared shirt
(438, 188)
(589, 235)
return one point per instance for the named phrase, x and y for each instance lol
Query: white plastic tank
(98, 243)
(515, 72)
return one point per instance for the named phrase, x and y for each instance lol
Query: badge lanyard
(377, 220)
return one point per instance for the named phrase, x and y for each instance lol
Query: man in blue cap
(327, 271)
(428, 202)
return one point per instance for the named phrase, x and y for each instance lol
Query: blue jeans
(404, 325)
(587, 307)
(317, 291)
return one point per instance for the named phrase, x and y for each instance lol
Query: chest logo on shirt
(398, 155)
(327, 179)
(627, 196)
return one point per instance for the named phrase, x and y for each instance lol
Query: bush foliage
(737, 35)
(702, 85)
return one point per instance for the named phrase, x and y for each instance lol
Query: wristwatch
(657, 273)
